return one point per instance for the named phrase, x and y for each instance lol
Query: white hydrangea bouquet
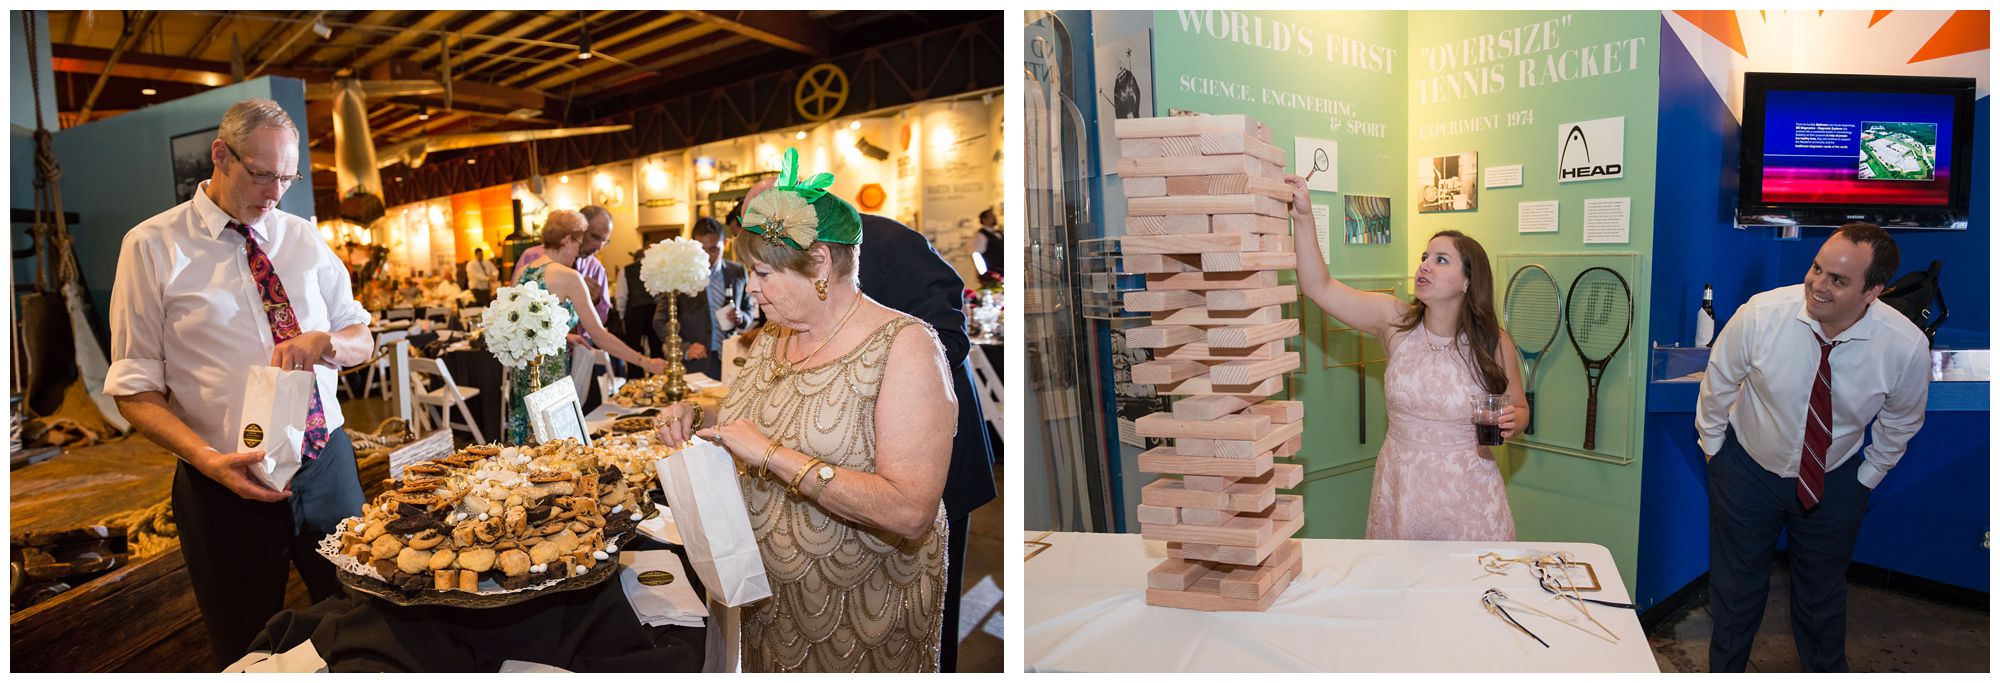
(674, 267)
(525, 322)
(677, 265)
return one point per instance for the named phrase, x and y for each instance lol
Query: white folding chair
(399, 314)
(380, 370)
(608, 382)
(992, 399)
(443, 397)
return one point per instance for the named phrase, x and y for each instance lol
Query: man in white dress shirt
(479, 276)
(188, 316)
(1794, 378)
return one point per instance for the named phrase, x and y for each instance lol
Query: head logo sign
(1590, 150)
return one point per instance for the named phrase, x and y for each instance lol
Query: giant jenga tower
(1207, 225)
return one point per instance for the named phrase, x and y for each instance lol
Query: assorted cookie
(647, 392)
(519, 516)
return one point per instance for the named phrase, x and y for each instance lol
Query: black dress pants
(238, 551)
(1747, 506)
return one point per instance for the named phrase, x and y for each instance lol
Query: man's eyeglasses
(262, 177)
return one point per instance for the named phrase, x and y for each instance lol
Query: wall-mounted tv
(1843, 141)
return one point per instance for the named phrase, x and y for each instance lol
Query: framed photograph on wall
(1448, 182)
(555, 413)
(1124, 86)
(192, 162)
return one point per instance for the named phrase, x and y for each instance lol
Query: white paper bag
(275, 407)
(701, 488)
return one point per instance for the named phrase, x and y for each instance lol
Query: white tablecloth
(1356, 606)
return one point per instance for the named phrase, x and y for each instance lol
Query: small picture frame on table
(555, 413)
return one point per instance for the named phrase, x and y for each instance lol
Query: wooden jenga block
(1237, 448)
(1200, 351)
(1288, 507)
(1146, 225)
(1161, 336)
(1210, 407)
(1180, 146)
(1161, 301)
(1280, 412)
(1141, 186)
(1250, 222)
(1221, 164)
(1158, 514)
(1244, 531)
(1275, 244)
(1250, 371)
(1200, 315)
(1166, 371)
(1162, 461)
(1251, 582)
(1168, 126)
(1244, 299)
(1207, 204)
(1237, 497)
(1188, 224)
(1228, 183)
(1289, 448)
(1177, 575)
(1205, 595)
(1252, 335)
(1186, 244)
(1249, 279)
(1222, 143)
(1210, 484)
(1163, 425)
(1283, 475)
(1211, 552)
(1158, 263)
(1256, 260)
(1205, 517)
(1200, 386)
(1130, 148)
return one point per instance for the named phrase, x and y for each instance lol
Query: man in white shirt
(1792, 381)
(479, 276)
(206, 289)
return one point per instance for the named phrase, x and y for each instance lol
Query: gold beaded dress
(845, 597)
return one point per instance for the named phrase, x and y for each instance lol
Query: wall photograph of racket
(1534, 318)
(1600, 318)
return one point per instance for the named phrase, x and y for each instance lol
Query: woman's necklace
(1434, 347)
(779, 371)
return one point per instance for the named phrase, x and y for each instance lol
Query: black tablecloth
(588, 630)
(480, 370)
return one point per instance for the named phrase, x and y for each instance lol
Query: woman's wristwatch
(824, 474)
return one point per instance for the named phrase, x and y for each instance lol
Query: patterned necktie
(714, 306)
(278, 308)
(1819, 430)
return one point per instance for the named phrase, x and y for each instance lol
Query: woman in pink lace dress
(1433, 481)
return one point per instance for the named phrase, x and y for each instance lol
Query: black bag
(1915, 294)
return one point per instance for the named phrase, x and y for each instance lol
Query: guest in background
(479, 276)
(990, 245)
(712, 316)
(635, 306)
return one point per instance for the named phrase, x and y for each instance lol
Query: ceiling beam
(786, 29)
(479, 24)
(670, 42)
(601, 44)
(208, 37)
(145, 22)
(79, 59)
(653, 68)
(343, 46)
(422, 29)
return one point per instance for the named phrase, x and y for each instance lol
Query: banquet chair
(992, 400)
(443, 397)
(399, 314)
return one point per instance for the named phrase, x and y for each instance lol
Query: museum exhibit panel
(1561, 245)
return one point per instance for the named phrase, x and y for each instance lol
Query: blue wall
(118, 172)
(1929, 516)
(21, 125)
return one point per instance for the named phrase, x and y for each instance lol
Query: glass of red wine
(1486, 417)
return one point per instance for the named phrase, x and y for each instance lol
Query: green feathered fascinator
(798, 213)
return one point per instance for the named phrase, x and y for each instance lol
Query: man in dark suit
(900, 269)
(635, 305)
(712, 316)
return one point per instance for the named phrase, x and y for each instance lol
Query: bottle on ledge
(1704, 319)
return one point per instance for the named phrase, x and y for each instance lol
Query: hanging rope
(54, 238)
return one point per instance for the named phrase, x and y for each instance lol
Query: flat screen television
(1852, 142)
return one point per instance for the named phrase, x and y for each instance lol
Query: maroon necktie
(1819, 430)
(283, 326)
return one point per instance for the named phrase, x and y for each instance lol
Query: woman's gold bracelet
(763, 471)
(794, 488)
